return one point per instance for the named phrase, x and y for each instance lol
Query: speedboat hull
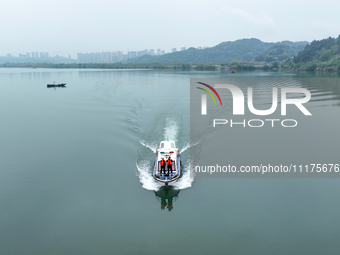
(167, 175)
(167, 151)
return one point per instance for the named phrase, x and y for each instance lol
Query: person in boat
(162, 166)
(169, 164)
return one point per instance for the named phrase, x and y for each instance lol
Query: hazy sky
(69, 26)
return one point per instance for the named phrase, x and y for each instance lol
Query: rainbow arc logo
(209, 93)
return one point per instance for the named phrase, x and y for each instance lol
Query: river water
(76, 173)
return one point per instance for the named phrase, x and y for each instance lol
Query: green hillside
(244, 50)
(280, 52)
(322, 55)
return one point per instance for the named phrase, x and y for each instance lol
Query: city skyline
(85, 57)
(65, 27)
(46, 54)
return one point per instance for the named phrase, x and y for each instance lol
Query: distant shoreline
(236, 66)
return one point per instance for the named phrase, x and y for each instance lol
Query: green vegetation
(240, 55)
(239, 66)
(280, 53)
(244, 50)
(175, 66)
(322, 55)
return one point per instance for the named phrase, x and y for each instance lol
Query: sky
(66, 27)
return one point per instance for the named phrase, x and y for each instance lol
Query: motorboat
(167, 150)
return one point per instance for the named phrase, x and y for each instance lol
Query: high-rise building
(114, 57)
(142, 53)
(36, 55)
(132, 54)
(119, 55)
(32, 54)
(183, 48)
(151, 52)
(173, 50)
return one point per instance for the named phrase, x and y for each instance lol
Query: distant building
(142, 53)
(132, 54)
(125, 57)
(106, 57)
(114, 58)
(119, 54)
(173, 49)
(183, 48)
(32, 54)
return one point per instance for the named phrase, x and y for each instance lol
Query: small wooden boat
(56, 85)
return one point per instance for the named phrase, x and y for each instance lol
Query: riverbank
(236, 66)
(170, 66)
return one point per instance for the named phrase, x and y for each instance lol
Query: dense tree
(244, 50)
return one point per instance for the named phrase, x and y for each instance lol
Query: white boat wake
(145, 167)
(145, 171)
(152, 147)
(149, 183)
(170, 130)
(187, 146)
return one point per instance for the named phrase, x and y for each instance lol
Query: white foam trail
(170, 129)
(152, 147)
(187, 146)
(146, 178)
(149, 183)
(185, 181)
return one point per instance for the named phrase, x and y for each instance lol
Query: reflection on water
(76, 170)
(167, 195)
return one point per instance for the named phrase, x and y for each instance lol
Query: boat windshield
(167, 144)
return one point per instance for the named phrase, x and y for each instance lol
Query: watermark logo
(204, 97)
(238, 99)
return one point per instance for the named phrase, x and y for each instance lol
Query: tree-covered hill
(322, 54)
(280, 52)
(243, 50)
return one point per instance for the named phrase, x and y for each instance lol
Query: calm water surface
(75, 173)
